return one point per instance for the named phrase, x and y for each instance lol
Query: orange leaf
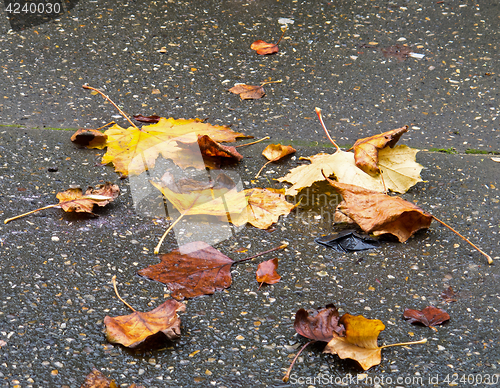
(264, 48)
(96, 379)
(266, 272)
(193, 269)
(360, 341)
(248, 92)
(133, 329)
(274, 152)
(379, 213)
(366, 149)
(72, 200)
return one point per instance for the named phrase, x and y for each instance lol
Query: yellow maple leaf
(133, 150)
(264, 208)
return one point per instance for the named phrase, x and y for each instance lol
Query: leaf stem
(31, 212)
(157, 248)
(253, 142)
(261, 253)
(113, 279)
(490, 260)
(318, 112)
(422, 341)
(282, 35)
(109, 99)
(271, 82)
(287, 375)
(256, 176)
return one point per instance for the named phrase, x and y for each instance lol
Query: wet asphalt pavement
(178, 59)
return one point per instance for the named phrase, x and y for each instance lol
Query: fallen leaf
(449, 295)
(274, 152)
(214, 154)
(360, 341)
(430, 316)
(264, 48)
(348, 241)
(193, 269)
(248, 92)
(318, 325)
(96, 379)
(380, 213)
(192, 197)
(134, 150)
(264, 208)
(366, 149)
(266, 272)
(72, 200)
(147, 119)
(89, 138)
(133, 329)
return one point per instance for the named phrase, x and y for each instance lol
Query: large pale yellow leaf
(399, 171)
(134, 150)
(399, 168)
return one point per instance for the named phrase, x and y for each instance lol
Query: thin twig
(261, 253)
(318, 112)
(157, 248)
(253, 142)
(287, 375)
(490, 260)
(270, 82)
(113, 279)
(109, 99)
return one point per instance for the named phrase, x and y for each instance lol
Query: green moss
(49, 128)
(450, 150)
(480, 152)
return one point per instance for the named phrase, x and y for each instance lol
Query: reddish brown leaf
(96, 379)
(89, 137)
(133, 329)
(318, 325)
(147, 119)
(366, 150)
(379, 213)
(266, 272)
(264, 48)
(192, 270)
(449, 295)
(430, 316)
(248, 92)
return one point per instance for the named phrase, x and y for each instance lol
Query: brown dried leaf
(192, 270)
(248, 92)
(72, 200)
(318, 325)
(133, 329)
(266, 272)
(264, 48)
(147, 119)
(96, 379)
(379, 213)
(366, 149)
(360, 341)
(449, 295)
(89, 138)
(430, 316)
